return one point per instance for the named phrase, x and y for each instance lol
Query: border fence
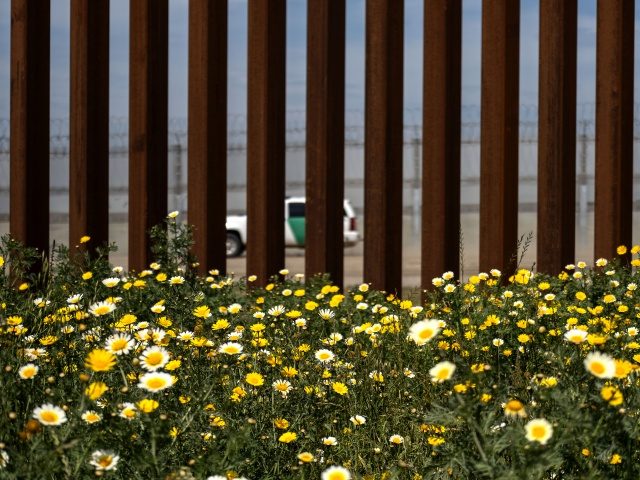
(295, 152)
(500, 128)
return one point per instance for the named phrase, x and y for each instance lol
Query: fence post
(29, 149)
(383, 144)
(207, 190)
(89, 122)
(499, 134)
(148, 144)
(614, 126)
(557, 135)
(324, 237)
(441, 132)
(266, 138)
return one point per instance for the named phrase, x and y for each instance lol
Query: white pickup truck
(294, 227)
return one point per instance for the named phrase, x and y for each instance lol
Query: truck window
(296, 210)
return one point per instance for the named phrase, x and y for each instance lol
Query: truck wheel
(234, 245)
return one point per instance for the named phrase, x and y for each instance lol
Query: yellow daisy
(288, 437)
(254, 379)
(306, 457)
(147, 405)
(100, 360)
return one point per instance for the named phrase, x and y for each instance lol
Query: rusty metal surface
(614, 126)
(148, 97)
(207, 134)
(383, 144)
(441, 139)
(557, 135)
(29, 177)
(89, 122)
(499, 134)
(325, 138)
(266, 138)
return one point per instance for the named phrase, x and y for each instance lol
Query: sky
(296, 55)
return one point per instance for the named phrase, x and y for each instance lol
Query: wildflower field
(164, 374)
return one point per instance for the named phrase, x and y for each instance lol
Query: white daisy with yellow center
(74, 299)
(50, 415)
(329, 441)
(396, 439)
(538, 430)
(128, 411)
(424, 331)
(186, 336)
(358, 420)
(102, 308)
(575, 335)
(154, 358)
(326, 314)
(119, 344)
(276, 311)
(111, 282)
(234, 308)
(282, 386)
(600, 365)
(515, 408)
(91, 416)
(230, 348)
(104, 460)
(336, 473)
(156, 381)
(323, 355)
(28, 371)
(442, 371)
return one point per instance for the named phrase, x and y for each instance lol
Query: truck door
(295, 224)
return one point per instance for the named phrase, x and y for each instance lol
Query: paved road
(353, 259)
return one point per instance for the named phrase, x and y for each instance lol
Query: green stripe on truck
(297, 227)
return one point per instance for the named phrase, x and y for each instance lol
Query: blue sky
(296, 55)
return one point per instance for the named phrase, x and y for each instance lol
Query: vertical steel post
(325, 138)
(499, 134)
(557, 135)
(207, 191)
(383, 144)
(614, 126)
(441, 134)
(266, 138)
